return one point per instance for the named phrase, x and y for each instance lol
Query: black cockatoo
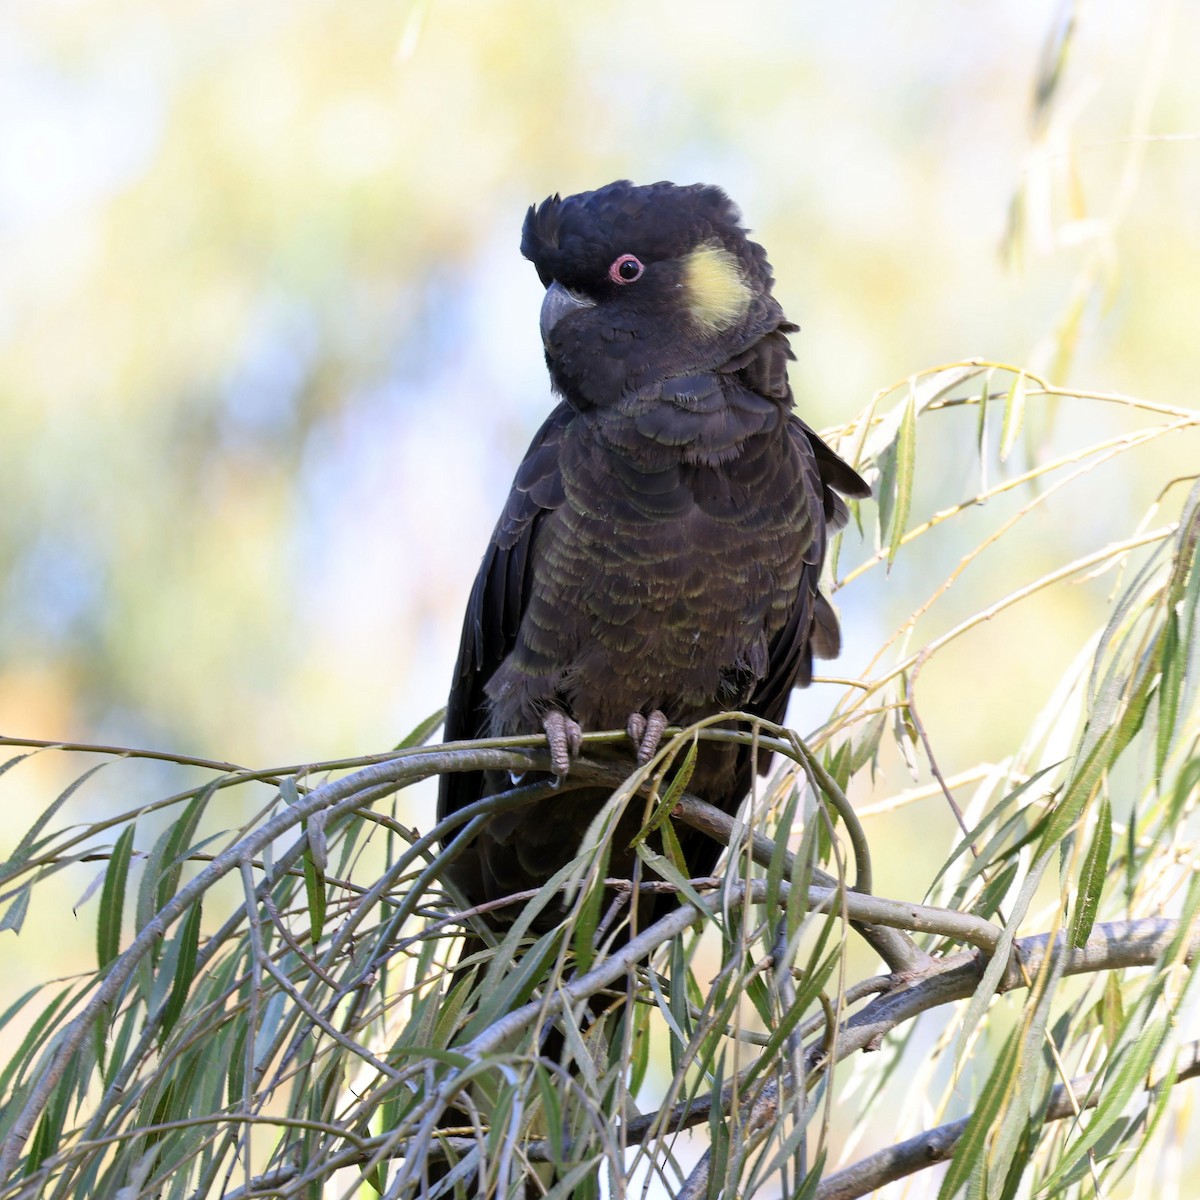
(657, 560)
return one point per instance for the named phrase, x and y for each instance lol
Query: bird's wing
(498, 599)
(812, 626)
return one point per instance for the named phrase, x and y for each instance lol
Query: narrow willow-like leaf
(517, 985)
(33, 1039)
(115, 1051)
(276, 1010)
(26, 845)
(981, 426)
(14, 915)
(997, 847)
(1159, 1105)
(866, 747)
(552, 1110)
(435, 1016)
(837, 764)
(906, 459)
(998, 963)
(1085, 780)
(1031, 1078)
(179, 841)
(1092, 877)
(314, 889)
(676, 788)
(1120, 1082)
(1021, 1160)
(236, 1078)
(1014, 416)
(587, 917)
(970, 1155)
(1169, 688)
(48, 1134)
(185, 969)
(814, 981)
(812, 1181)
(421, 733)
(1077, 793)
(993, 893)
(777, 868)
(639, 1059)
(9, 763)
(1181, 635)
(755, 990)
(112, 899)
(663, 866)
(672, 850)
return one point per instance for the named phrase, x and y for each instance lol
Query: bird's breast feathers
(661, 576)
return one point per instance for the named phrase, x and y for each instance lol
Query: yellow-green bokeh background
(269, 353)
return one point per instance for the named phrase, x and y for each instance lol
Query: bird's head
(643, 284)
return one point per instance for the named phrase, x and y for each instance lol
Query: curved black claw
(645, 733)
(565, 738)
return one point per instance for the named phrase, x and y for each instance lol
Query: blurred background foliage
(269, 353)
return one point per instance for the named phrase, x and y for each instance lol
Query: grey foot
(565, 738)
(645, 733)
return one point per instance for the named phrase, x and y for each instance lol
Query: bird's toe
(565, 738)
(646, 733)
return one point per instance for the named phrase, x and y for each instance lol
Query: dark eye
(626, 269)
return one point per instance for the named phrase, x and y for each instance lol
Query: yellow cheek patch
(718, 295)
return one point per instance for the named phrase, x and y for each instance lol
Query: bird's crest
(542, 225)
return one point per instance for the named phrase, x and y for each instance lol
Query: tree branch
(937, 1145)
(1112, 946)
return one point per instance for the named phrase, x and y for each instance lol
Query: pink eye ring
(626, 269)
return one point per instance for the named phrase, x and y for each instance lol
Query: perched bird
(657, 560)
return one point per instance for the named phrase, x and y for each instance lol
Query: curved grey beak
(558, 302)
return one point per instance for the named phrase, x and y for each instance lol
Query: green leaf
(1169, 687)
(25, 846)
(866, 748)
(588, 912)
(185, 969)
(1122, 1079)
(446, 1014)
(1014, 416)
(661, 865)
(991, 897)
(314, 890)
(179, 844)
(14, 915)
(1092, 877)
(837, 764)
(970, 1154)
(981, 423)
(1112, 1010)
(113, 1056)
(515, 986)
(1033, 1068)
(676, 788)
(112, 899)
(639, 1059)
(42, 1023)
(998, 963)
(236, 1079)
(549, 1093)
(812, 1181)
(906, 459)
(421, 733)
